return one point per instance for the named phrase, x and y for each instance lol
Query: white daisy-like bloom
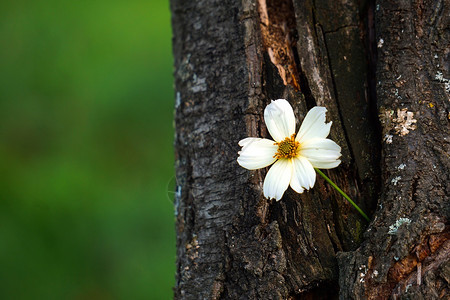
(294, 156)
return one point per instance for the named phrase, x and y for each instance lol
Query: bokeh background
(86, 150)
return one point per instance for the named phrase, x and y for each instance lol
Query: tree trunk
(231, 59)
(406, 250)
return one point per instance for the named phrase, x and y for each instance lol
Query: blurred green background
(86, 158)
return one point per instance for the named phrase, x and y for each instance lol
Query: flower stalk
(343, 194)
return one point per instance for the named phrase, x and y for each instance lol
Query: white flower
(294, 156)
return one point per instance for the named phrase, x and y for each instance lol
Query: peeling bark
(231, 59)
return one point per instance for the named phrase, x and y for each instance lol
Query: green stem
(343, 194)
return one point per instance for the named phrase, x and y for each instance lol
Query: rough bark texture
(406, 251)
(231, 59)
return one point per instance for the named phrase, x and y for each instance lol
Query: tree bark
(406, 250)
(231, 59)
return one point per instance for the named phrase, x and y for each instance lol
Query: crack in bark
(340, 28)
(334, 86)
(304, 85)
(280, 35)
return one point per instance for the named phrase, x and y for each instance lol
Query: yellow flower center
(287, 148)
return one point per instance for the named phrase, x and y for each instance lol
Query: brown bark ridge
(231, 59)
(406, 251)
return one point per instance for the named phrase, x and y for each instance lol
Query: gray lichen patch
(440, 77)
(395, 180)
(401, 124)
(405, 121)
(388, 138)
(380, 43)
(394, 227)
(192, 248)
(198, 84)
(385, 117)
(401, 166)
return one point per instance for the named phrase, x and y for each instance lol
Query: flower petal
(256, 153)
(314, 125)
(280, 119)
(321, 153)
(277, 179)
(325, 164)
(303, 175)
